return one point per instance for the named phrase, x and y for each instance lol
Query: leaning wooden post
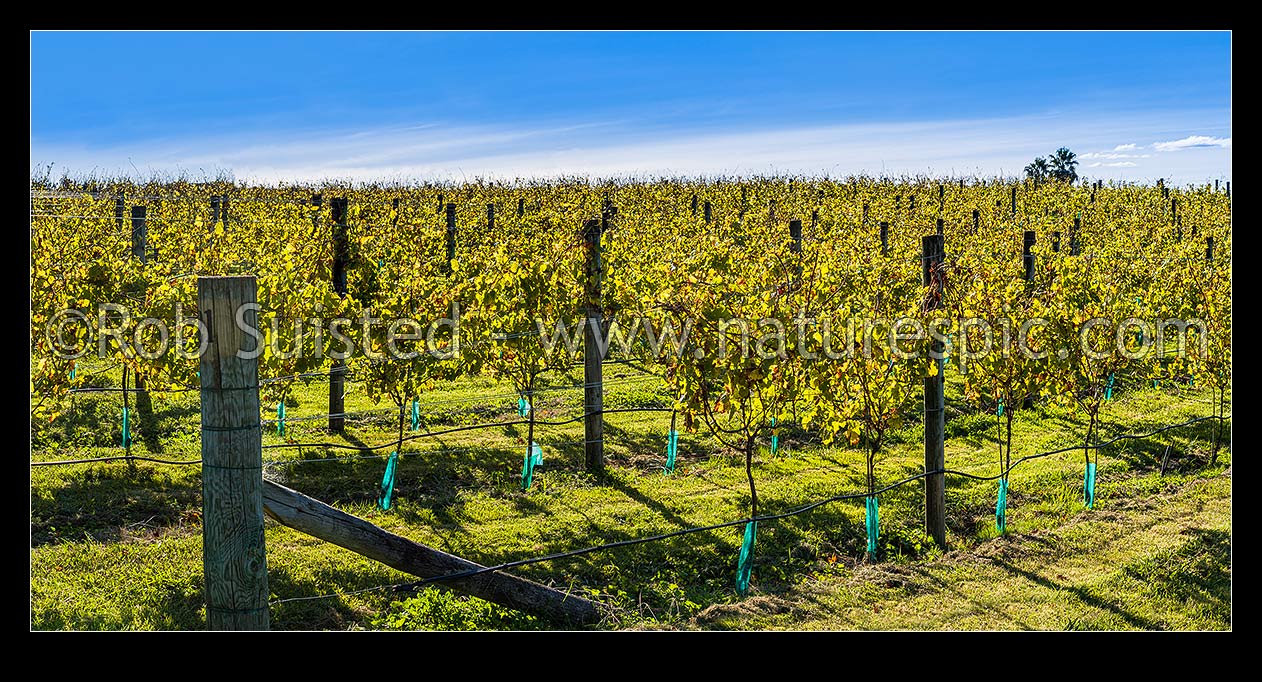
(935, 425)
(593, 388)
(234, 555)
(341, 258)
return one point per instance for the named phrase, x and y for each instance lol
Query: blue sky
(322, 105)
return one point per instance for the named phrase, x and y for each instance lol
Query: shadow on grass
(1083, 594)
(109, 501)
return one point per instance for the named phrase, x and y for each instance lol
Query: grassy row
(118, 546)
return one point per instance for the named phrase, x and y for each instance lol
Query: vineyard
(745, 452)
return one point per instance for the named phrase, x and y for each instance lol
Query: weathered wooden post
(234, 555)
(935, 424)
(593, 388)
(341, 258)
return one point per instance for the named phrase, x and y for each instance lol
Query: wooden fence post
(234, 553)
(214, 213)
(593, 387)
(490, 217)
(451, 237)
(935, 425)
(706, 212)
(1027, 260)
(1027, 255)
(341, 258)
(885, 238)
(139, 234)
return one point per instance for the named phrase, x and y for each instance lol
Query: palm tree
(1038, 170)
(1065, 162)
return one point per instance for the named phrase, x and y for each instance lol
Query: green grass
(117, 546)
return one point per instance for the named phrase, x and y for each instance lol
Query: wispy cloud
(1115, 155)
(613, 148)
(1191, 142)
(1126, 148)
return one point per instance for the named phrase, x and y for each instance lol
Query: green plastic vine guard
(745, 564)
(126, 428)
(672, 447)
(999, 410)
(1088, 486)
(385, 498)
(72, 369)
(1001, 507)
(537, 454)
(523, 408)
(872, 521)
(280, 418)
(528, 469)
(775, 437)
(416, 415)
(1108, 388)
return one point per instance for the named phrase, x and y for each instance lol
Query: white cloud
(1125, 148)
(617, 149)
(1114, 155)
(1192, 141)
